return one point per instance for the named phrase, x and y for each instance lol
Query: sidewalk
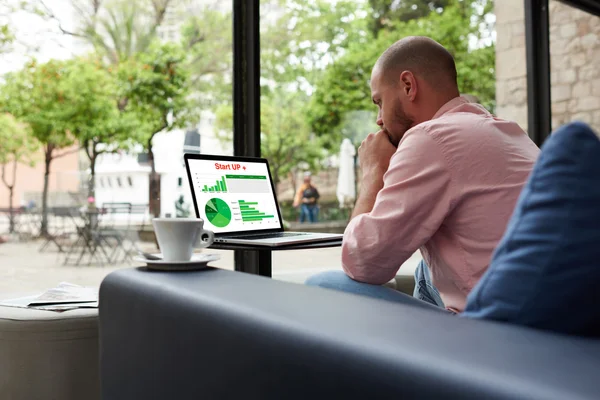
(24, 270)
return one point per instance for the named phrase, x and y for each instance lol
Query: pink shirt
(449, 191)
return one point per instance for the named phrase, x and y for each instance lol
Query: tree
(299, 39)
(117, 29)
(345, 85)
(155, 79)
(41, 96)
(384, 13)
(6, 31)
(209, 56)
(285, 136)
(286, 140)
(5, 37)
(16, 146)
(153, 85)
(101, 123)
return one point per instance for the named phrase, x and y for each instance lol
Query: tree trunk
(154, 184)
(293, 180)
(11, 195)
(10, 187)
(276, 182)
(92, 182)
(47, 161)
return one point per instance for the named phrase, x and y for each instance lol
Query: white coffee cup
(177, 237)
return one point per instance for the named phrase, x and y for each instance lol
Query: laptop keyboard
(270, 235)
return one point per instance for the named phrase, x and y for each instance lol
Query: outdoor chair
(113, 227)
(25, 223)
(138, 216)
(8, 214)
(89, 239)
(61, 228)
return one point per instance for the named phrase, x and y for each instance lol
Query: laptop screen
(232, 195)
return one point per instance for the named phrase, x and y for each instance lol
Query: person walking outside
(306, 198)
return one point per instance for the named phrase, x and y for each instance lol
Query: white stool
(49, 355)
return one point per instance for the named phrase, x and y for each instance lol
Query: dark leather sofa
(217, 334)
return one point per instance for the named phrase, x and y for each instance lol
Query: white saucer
(198, 261)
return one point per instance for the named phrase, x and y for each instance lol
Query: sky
(39, 37)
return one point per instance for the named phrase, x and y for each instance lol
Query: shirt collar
(455, 102)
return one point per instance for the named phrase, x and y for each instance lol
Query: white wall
(168, 153)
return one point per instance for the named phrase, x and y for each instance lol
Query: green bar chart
(250, 213)
(220, 186)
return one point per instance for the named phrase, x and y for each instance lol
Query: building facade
(574, 58)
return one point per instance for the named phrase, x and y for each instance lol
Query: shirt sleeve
(415, 200)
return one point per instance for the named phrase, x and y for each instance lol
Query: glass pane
(98, 103)
(316, 62)
(511, 64)
(574, 54)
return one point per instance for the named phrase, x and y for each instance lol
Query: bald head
(424, 57)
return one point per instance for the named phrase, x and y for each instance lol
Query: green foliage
(344, 88)
(44, 97)
(384, 12)
(119, 30)
(297, 42)
(286, 140)
(16, 146)
(16, 141)
(6, 37)
(153, 85)
(41, 95)
(345, 85)
(306, 35)
(99, 125)
(285, 136)
(209, 58)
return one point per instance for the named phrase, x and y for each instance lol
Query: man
(307, 197)
(442, 175)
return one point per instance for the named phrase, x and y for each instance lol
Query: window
(142, 158)
(184, 54)
(575, 80)
(191, 143)
(315, 86)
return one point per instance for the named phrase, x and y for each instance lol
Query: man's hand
(375, 153)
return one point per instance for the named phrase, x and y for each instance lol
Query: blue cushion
(545, 272)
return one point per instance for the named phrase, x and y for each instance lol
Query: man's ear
(408, 83)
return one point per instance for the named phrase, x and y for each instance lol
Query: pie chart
(218, 213)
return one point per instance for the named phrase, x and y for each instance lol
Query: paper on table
(18, 302)
(64, 307)
(66, 293)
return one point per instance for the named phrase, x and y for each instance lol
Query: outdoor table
(88, 235)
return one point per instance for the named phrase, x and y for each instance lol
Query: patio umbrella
(346, 187)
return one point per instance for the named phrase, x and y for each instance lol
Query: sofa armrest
(217, 334)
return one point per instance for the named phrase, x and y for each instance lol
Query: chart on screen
(237, 199)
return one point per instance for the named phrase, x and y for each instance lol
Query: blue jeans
(309, 212)
(425, 294)
(424, 289)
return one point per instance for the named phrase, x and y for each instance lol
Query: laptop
(236, 199)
